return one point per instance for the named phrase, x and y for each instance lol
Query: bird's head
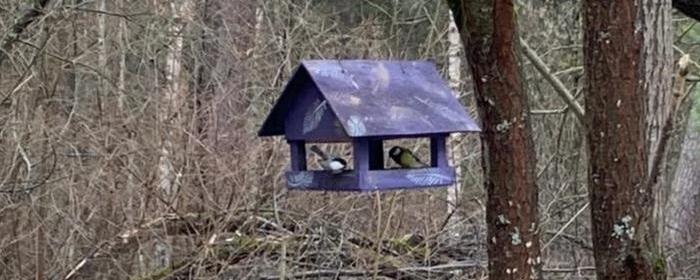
(395, 151)
(341, 161)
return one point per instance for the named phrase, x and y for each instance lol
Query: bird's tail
(318, 151)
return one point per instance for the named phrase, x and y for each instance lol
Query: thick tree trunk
(488, 29)
(658, 70)
(684, 201)
(626, 59)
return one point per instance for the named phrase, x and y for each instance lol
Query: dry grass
(80, 149)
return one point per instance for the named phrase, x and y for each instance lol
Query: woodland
(129, 143)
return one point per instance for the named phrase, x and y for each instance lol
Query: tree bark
(488, 30)
(620, 77)
(102, 55)
(658, 87)
(23, 20)
(173, 97)
(455, 72)
(683, 208)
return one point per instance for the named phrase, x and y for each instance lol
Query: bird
(333, 163)
(405, 158)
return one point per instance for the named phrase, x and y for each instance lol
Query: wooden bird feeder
(365, 102)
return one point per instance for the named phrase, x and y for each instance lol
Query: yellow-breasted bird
(405, 158)
(335, 164)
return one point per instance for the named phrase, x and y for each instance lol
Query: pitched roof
(379, 98)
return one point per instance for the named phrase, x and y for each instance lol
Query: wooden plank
(438, 151)
(377, 180)
(297, 151)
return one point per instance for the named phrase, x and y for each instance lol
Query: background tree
(81, 139)
(625, 69)
(489, 33)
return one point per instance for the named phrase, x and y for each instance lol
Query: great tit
(335, 164)
(405, 158)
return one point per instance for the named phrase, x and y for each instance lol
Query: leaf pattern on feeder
(444, 110)
(330, 72)
(314, 115)
(301, 179)
(383, 78)
(428, 178)
(355, 126)
(399, 113)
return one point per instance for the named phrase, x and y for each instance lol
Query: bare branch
(558, 86)
(29, 15)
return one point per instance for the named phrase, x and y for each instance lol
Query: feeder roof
(374, 98)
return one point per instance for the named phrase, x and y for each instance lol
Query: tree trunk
(122, 40)
(169, 119)
(686, 192)
(488, 30)
(454, 72)
(626, 51)
(658, 73)
(173, 96)
(102, 55)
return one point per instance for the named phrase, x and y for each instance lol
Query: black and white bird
(333, 163)
(405, 158)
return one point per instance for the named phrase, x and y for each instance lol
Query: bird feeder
(365, 102)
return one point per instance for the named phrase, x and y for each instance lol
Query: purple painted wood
(360, 153)
(374, 98)
(322, 180)
(409, 178)
(366, 102)
(310, 118)
(377, 180)
(297, 152)
(376, 155)
(438, 151)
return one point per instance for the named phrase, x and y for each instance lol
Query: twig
(123, 238)
(573, 239)
(364, 273)
(558, 86)
(681, 52)
(566, 225)
(569, 270)
(548, 111)
(25, 19)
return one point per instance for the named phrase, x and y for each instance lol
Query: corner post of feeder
(297, 149)
(438, 150)
(376, 154)
(360, 151)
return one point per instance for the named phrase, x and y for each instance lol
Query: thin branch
(561, 230)
(548, 111)
(366, 273)
(569, 270)
(558, 86)
(113, 14)
(26, 18)
(573, 239)
(690, 8)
